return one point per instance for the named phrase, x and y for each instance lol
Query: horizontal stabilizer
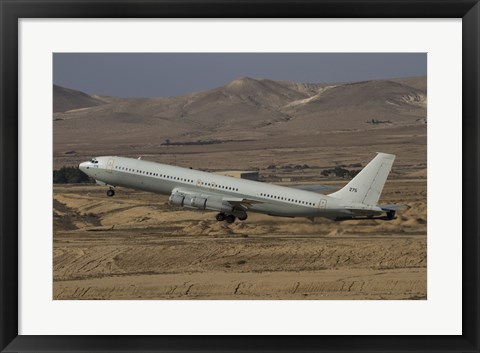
(392, 207)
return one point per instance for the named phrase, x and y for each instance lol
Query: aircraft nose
(84, 165)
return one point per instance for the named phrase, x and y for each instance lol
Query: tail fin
(367, 185)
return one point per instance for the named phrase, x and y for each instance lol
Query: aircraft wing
(234, 201)
(241, 202)
(314, 188)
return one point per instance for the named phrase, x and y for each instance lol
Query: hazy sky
(172, 74)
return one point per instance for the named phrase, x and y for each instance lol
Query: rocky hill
(245, 108)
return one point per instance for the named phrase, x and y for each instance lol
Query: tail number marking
(353, 190)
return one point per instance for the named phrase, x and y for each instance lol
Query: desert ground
(136, 246)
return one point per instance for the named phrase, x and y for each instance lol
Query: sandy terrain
(136, 246)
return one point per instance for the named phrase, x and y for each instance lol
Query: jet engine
(176, 199)
(200, 202)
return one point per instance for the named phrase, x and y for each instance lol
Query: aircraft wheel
(220, 217)
(243, 217)
(391, 214)
(230, 218)
(110, 192)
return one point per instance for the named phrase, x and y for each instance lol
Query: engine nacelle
(218, 205)
(199, 202)
(176, 199)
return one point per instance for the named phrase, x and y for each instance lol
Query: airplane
(234, 198)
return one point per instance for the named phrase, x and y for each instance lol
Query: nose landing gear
(110, 192)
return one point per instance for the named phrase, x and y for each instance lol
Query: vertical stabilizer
(367, 185)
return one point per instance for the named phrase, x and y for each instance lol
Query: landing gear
(243, 217)
(390, 214)
(110, 192)
(230, 218)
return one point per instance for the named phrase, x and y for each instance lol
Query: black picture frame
(13, 10)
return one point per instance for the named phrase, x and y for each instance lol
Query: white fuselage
(165, 179)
